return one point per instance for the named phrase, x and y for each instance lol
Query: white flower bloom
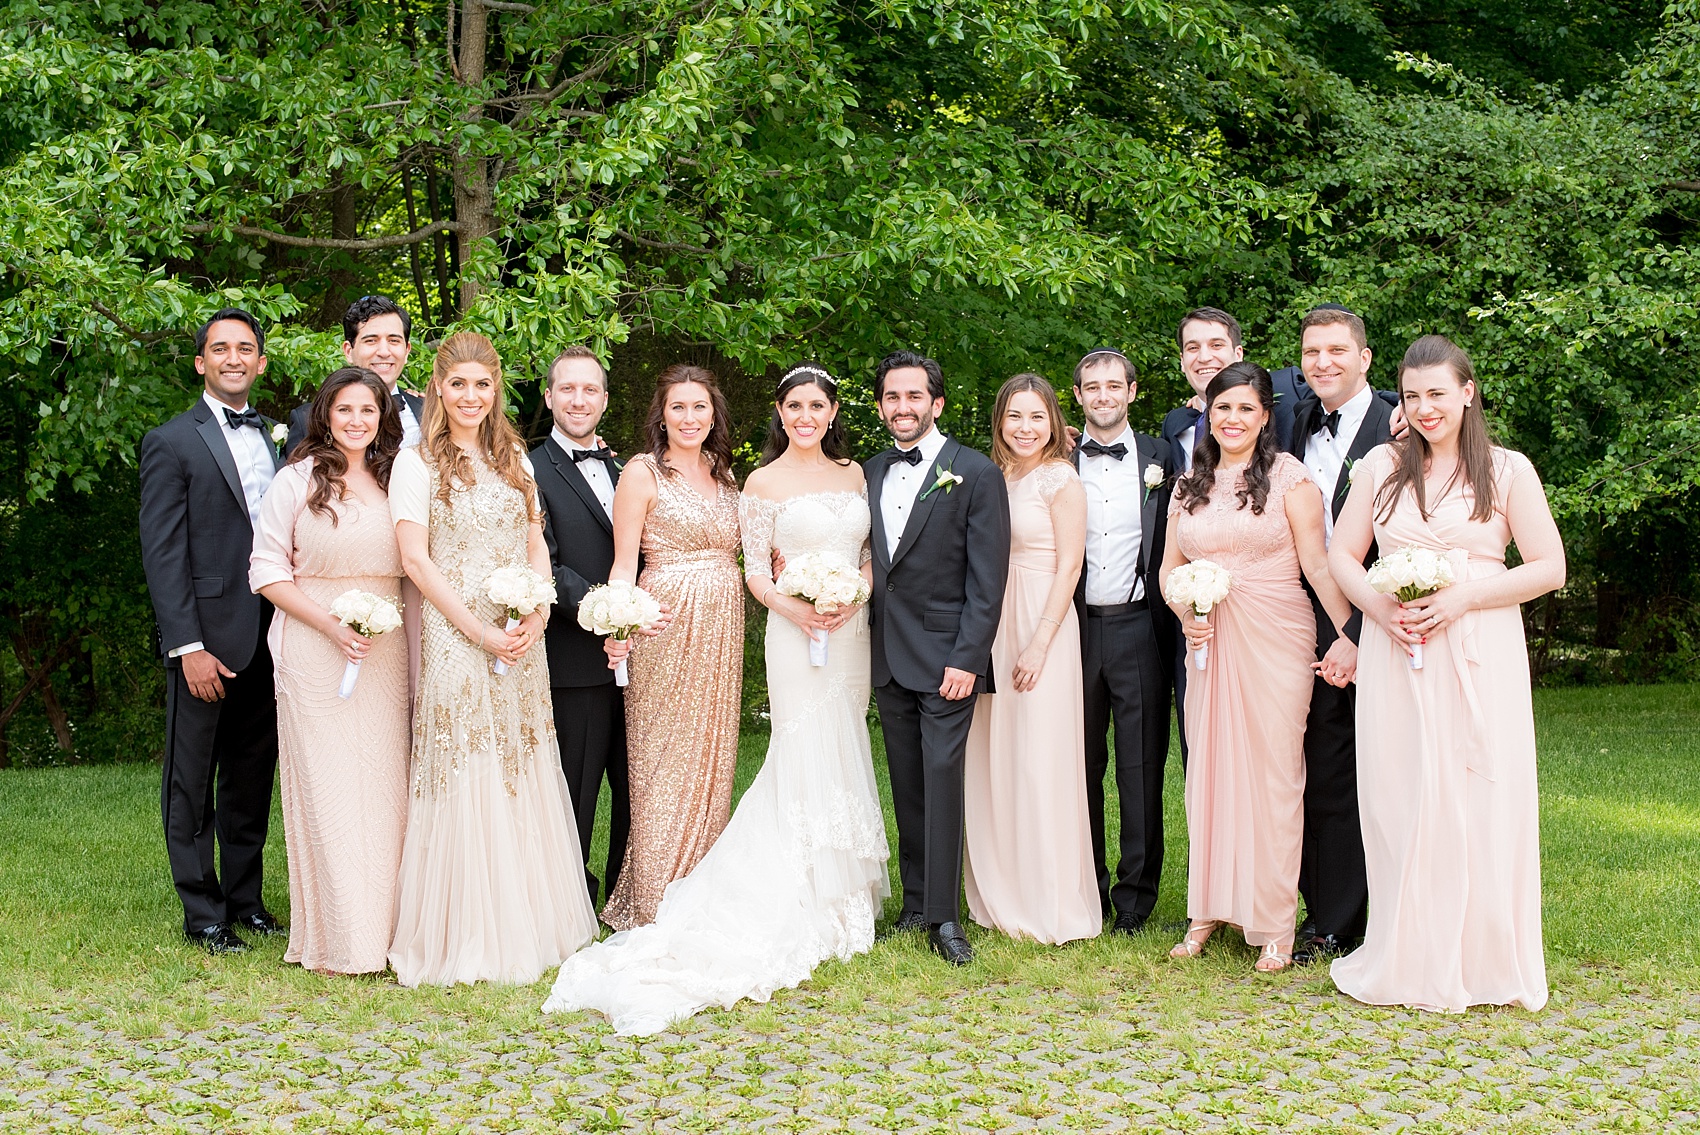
(826, 581)
(617, 608)
(280, 433)
(519, 590)
(365, 613)
(1411, 573)
(1153, 475)
(1200, 584)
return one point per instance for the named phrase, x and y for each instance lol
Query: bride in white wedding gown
(799, 874)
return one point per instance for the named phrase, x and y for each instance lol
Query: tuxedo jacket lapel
(874, 473)
(1146, 450)
(568, 470)
(924, 508)
(278, 453)
(211, 430)
(1372, 431)
(1304, 424)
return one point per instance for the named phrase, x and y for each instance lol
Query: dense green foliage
(745, 182)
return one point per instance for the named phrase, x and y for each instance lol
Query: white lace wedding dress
(799, 874)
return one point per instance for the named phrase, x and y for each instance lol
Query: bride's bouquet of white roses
(619, 609)
(829, 583)
(1411, 573)
(1200, 584)
(364, 614)
(519, 591)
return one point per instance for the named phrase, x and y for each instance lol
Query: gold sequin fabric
(683, 701)
(465, 712)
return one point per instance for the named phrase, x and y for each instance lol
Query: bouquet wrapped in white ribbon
(519, 591)
(1411, 573)
(364, 614)
(1201, 585)
(828, 582)
(619, 609)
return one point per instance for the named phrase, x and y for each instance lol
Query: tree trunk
(341, 281)
(474, 198)
(413, 261)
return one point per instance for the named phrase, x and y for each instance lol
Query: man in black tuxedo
(941, 558)
(1341, 420)
(1125, 657)
(376, 334)
(576, 476)
(203, 475)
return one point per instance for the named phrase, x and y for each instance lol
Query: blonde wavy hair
(501, 444)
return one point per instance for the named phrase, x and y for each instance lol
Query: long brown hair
(496, 435)
(1194, 489)
(1411, 452)
(1026, 383)
(330, 465)
(717, 445)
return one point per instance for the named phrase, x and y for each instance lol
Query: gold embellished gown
(492, 876)
(685, 693)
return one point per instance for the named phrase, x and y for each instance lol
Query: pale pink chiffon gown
(1446, 784)
(342, 764)
(1029, 863)
(1245, 713)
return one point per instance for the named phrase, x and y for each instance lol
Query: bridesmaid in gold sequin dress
(678, 504)
(492, 877)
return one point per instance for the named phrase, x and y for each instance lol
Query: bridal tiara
(807, 369)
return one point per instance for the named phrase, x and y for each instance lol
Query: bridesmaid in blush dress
(678, 505)
(492, 878)
(1446, 753)
(1253, 510)
(1030, 869)
(325, 529)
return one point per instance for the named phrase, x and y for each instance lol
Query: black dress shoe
(909, 920)
(260, 922)
(950, 943)
(1318, 949)
(217, 939)
(1306, 931)
(1129, 924)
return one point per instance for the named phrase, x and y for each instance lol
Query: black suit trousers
(220, 760)
(1332, 876)
(926, 739)
(590, 724)
(1125, 680)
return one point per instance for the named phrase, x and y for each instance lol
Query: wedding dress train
(799, 874)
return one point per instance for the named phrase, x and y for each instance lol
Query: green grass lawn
(103, 1006)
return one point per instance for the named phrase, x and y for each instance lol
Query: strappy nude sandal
(1193, 944)
(1272, 960)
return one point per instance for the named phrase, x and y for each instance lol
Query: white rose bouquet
(1411, 573)
(1201, 585)
(619, 609)
(364, 614)
(829, 583)
(519, 591)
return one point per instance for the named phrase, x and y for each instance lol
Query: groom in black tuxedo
(203, 474)
(941, 557)
(1124, 648)
(1339, 421)
(576, 477)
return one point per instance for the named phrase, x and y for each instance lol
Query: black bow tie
(600, 454)
(400, 402)
(248, 417)
(1092, 448)
(1329, 421)
(911, 456)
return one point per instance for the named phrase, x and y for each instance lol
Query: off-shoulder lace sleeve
(756, 516)
(1051, 477)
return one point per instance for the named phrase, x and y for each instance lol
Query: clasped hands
(510, 646)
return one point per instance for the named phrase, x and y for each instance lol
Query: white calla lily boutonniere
(1153, 477)
(947, 481)
(280, 433)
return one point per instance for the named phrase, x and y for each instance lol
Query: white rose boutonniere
(280, 433)
(947, 481)
(1153, 477)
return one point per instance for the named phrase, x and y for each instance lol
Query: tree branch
(37, 677)
(1683, 186)
(139, 336)
(508, 6)
(292, 241)
(664, 246)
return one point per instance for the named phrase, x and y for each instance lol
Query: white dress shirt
(409, 424)
(1115, 494)
(1188, 438)
(252, 450)
(1325, 454)
(594, 471)
(904, 483)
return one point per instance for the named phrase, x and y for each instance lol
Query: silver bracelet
(771, 588)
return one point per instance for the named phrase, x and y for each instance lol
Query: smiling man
(203, 475)
(376, 334)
